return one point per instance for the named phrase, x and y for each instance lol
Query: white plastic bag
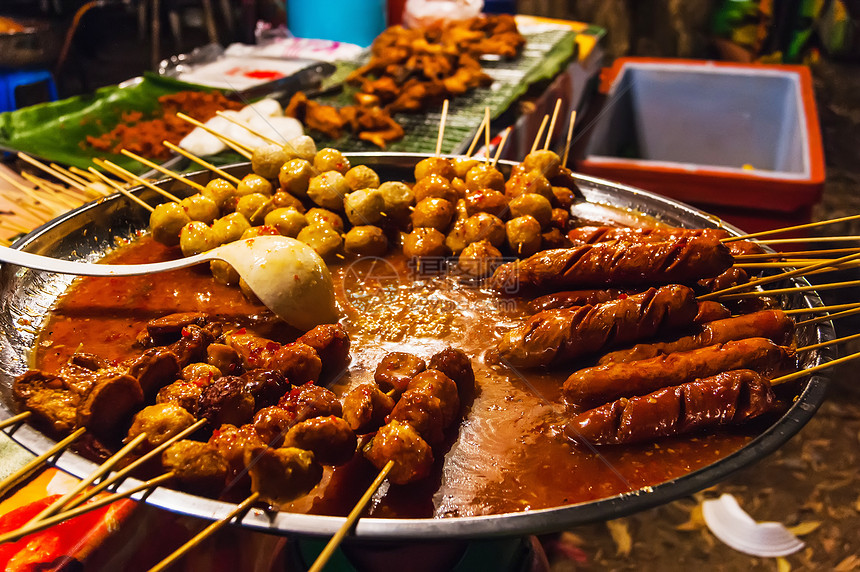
(421, 13)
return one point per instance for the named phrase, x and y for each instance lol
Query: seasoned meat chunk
(282, 475)
(412, 456)
(434, 383)
(329, 438)
(231, 442)
(272, 423)
(308, 401)
(160, 422)
(456, 364)
(154, 369)
(266, 386)
(298, 362)
(332, 346)
(365, 408)
(196, 464)
(225, 358)
(168, 329)
(191, 347)
(108, 403)
(226, 401)
(396, 369)
(54, 408)
(421, 411)
(185, 394)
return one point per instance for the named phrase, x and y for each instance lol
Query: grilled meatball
(196, 237)
(435, 186)
(328, 190)
(166, 221)
(398, 198)
(282, 199)
(266, 386)
(412, 456)
(309, 401)
(487, 201)
(254, 183)
(365, 408)
(272, 423)
(288, 221)
(484, 226)
(230, 228)
(298, 362)
(231, 442)
(325, 241)
(295, 176)
(543, 161)
(436, 384)
(361, 177)
(331, 343)
(479, 259)
(462, 165)
(282, 475)
(425, 242)
(226, 401)
(484, 176)
(433, 212)
(266, 160)
(434, 166)
(524, 236)
(222, 192)
(365, 240)
(329, 159)
(302, 147)
(200, 208)
(421, 411)
(456, 239)
(184, 394)
(364, 207)
(325, 217)
(397, 369)
(160, 422)
(528, 182)
(224, 358)
(197, 465)
(532, 204)
(254, 207)
(329, 438)
(200, 373)
(456, 364)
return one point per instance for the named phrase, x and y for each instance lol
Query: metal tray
(91, 230)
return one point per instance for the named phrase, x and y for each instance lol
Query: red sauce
(504, 458)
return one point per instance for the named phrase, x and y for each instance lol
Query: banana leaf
(57, 130)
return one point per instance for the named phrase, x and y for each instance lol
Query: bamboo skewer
(103, 469)
(536, 142)
(51, 194)
(811, 239)
(505, 135)
(124, 192)
(176, 176)
(89, 193)
(476, 138)
(832, 308)
(807, 371)
(239, 148)
(15, 227)
(50, 171)
(800, 262)
(552, 121)
(31, 466)
(768, 255)
(125, 471)
(30, 528)
(791, 290)
(569, 138)
(205, 533)
(203, 162)
(777, 277)
(791, 228)
(144, 182)
(827, 317)
(14, 419)
(829, 343)
(335, 541)
(250, 130)
(441, 128)
(487, 122)
(110, 169)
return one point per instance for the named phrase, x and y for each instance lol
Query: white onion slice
(728, 521)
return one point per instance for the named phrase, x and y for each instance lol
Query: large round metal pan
(88, 232)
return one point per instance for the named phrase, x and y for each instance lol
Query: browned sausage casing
(771, 324)
(571, 298)
(600, 384)
(592, 234)
(728, 398)
(615, 264)
(554, 337)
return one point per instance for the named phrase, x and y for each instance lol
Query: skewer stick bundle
(568, 138)
(204, 163)
(50, 171)
(144, 182)
(236, 146)
(476, 138)
(791, 228)
(249, 129)
(441, 128)
(551, 129)
(123, 192)
(21, 473)
(194, 185)
(14, 419)
(539, 134)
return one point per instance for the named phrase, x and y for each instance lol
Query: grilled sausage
(615, 264)
(592, 234)
(728, 398)
(593, 386)
(571, 298)
(554, 337)
(774, 325)
(710, 310)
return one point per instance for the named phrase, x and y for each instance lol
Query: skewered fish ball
(201, 373)
(479, 259)
(166, 221)
(560, 219)
(366, 240)
(434, 166)
(462, 165)
(364, 207)
(484, 226)
(459, 185)
(254, 183)
(543, 161)
(196, 237)
(532, 204)
(361, 177)
(201, 208)
(329, 438)
(325, 217)
(563, 197)
(323, 239)
(399, 441)
(554, 238)
(301, 147)
(328, 190)
(294, 177)
(262, 230)
(434, 213)
(329, 159)
(222, 192)
(524, 237)
(183, 393)
(456, 239)
(528, 182)
(230, 228)
(282, 199)
(435, 186)
(252, 207)
(485, 176)
(196, 464)
(425, 243)
(487, 201)
(288, 221)
(282, 475)
(398, 198)
(266, 160)
(160, 422)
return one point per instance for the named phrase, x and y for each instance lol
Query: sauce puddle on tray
(506, 456)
